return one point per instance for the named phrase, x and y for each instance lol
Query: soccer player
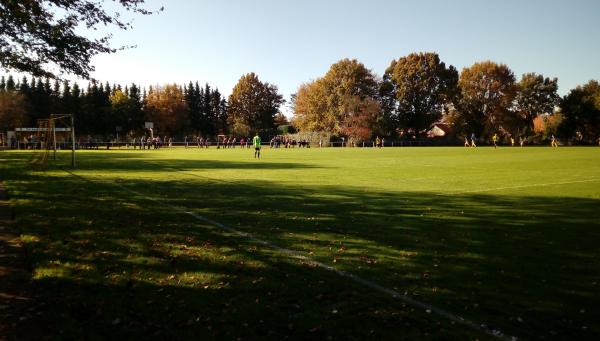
(512, 141)
(553, 142)
(467, 144)
(521, 141)
(495, 140)
(473, 140)
(256, 142)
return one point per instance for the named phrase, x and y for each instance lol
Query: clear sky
(290, 42)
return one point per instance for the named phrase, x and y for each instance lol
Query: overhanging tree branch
(37, 36)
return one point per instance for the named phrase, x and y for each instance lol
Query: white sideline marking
(393, 293)
(521, 186)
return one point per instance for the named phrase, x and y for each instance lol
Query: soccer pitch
(353, 243)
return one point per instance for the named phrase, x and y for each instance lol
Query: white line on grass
(520, 186)
(295, 254)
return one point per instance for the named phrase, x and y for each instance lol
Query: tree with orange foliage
(13, 112)
(343, 102)
(487, 93)
(165, 106)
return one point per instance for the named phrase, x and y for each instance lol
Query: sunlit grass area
(507, 238)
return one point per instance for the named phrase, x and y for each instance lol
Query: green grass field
(509, 238)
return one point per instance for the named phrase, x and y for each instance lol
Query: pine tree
(24, 86)
(102, 114)
(223, 116)
(25, 90)
(136, 114)
(194, 108)
(56, 87)
(10, 83)
(199, 91)
(47, 88)
(55, 102)
(75, 105)
(215, 99)
(207, 114)
(87, 122)
(40, 101)
(134, 93)
(65, 99)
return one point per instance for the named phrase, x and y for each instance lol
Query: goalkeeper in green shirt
(256, 142)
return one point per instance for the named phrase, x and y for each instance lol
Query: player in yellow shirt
(495, 140)
(257, 144)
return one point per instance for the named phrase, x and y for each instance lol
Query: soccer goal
(50, 135)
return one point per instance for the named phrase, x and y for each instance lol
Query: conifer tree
(219, 117)
(193, 106)
(24, 87)
(40, 102)
(47, 88)
(136, 114)
(56, 87)
(10, 83)
(65, 99)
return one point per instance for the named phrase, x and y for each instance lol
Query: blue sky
(290, 42)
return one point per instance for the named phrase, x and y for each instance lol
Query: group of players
(157, 142)
(495, 138)
(231, 142)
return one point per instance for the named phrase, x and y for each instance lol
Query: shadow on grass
(136, 268)
(141, 161)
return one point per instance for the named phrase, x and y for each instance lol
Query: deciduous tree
(166, 107)
(38, 36)
(547, 124)
(416, 88)
(253, 106)
(581, 110)
(487, 93)
(13, 110)
(330, 103)
(536, 95)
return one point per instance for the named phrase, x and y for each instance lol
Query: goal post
(45, 138)
(68, 120)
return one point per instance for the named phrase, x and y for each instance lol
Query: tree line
(349, 101)
(102, 109)
(418, 90)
